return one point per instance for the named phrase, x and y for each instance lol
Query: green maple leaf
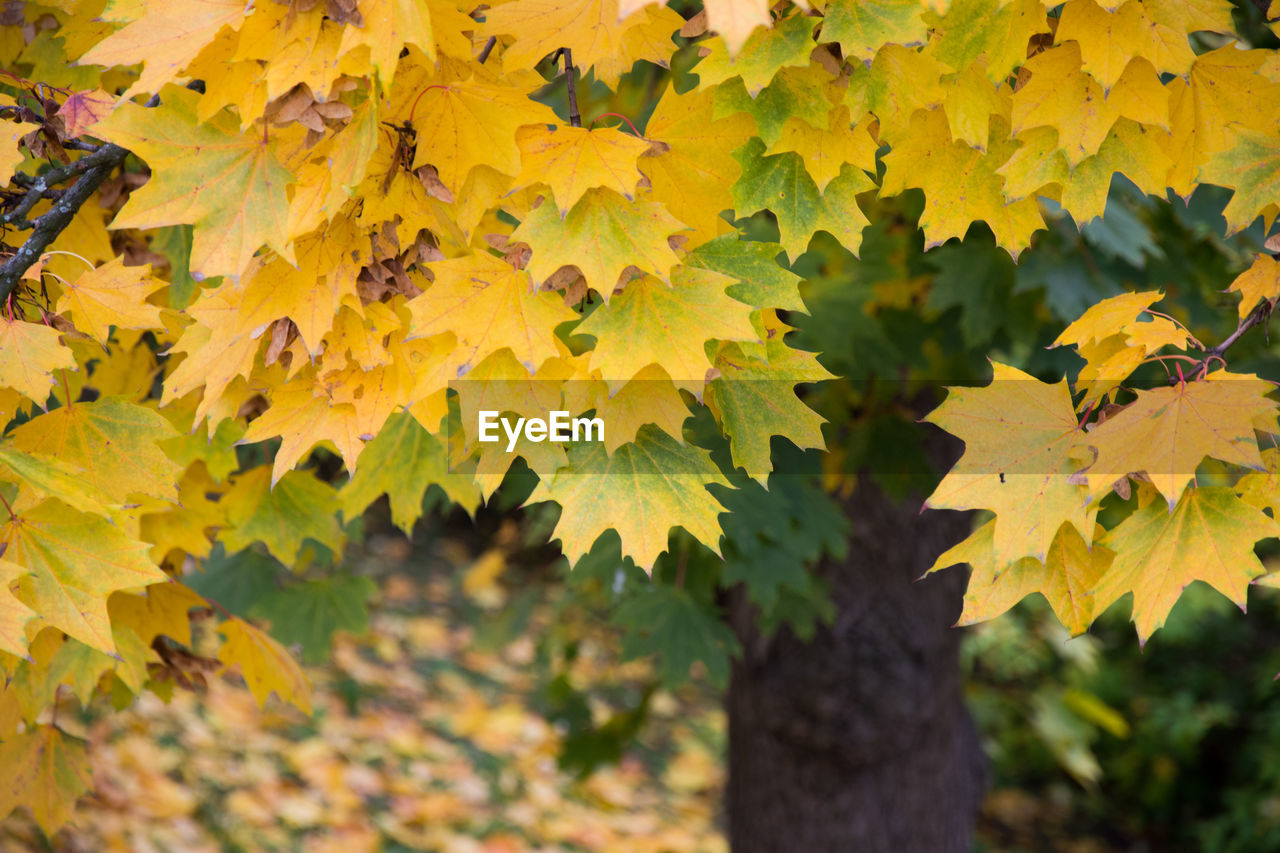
(402, 461)
(754, 401)
(298, 507)
(642, 490)
(780, 183)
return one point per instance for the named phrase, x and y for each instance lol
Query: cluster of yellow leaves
(1034, 459)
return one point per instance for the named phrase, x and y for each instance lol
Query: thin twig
(487, 49)
(570, 74)
(1259, 314)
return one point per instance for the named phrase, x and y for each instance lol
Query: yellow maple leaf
(265, 665)
(589, 28)
(217, 350)
(489, 305)
(302, 415)
(75, 562)
(76, 435)
(29, 353)
(572, 160)
(45, 771)
(642, 490)
(112, 295)
(164, 37)
(1168, 431)
(229, 186)
(735, 20)
(960, 185)
(1019, 433)
(1130, 149)
(1208, 536)
(464, 125)
(826, 150)
(1060, 95)
(389, 25)
(1260, 281)
(693, 173)
(14, 615)
(1066, 577)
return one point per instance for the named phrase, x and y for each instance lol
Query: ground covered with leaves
(427, 735)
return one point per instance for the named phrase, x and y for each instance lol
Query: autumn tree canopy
(265, 263)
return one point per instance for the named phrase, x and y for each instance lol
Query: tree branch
(570, 81)
(40, 187)
(48, 226)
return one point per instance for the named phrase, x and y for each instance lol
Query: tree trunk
(859, 741)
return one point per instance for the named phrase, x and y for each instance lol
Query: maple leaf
(162, 609)
(50, 477)
(642, 490)
(464, 125)
(650, 323)
(489, 305)
(572, 160)
(402, 461)
(762, 281)
(693, 175)
(1060, 95)
(1131, 150)
(1018, 433)
(1104, 318)
(995, 30)
(590, 28)
(754, 400)
(1251, 167)
(960, 184)
(82, 110)
(164, 37)
(217, 347)
(75, 561)
(603, 234)
(735, 20)
(112, 295)
(265, 665)
(649, 397)
(230, 186)
(1208, 536)
(79, 435)
(861, 27)
(781, 184)
(29, 353)
(44, 771)
(280, 515)
(826, 150)
(389, 25)
(1065, 578)
(1260, 281)
(1167, 432)
(787, 42)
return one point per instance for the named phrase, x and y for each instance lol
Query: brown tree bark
(859, 741)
